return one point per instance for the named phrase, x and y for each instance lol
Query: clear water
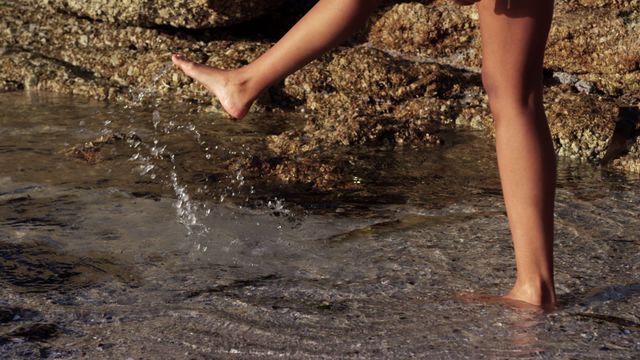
(158, 250)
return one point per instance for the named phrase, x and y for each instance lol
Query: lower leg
(514, 35)
(526, 160)
(327, 24)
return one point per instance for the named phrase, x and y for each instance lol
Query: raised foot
(225, 85)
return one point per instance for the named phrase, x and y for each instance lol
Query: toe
(182, 63)
(176, 58)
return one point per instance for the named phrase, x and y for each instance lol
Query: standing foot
(520, 297)
(542, 295)
(227, 85)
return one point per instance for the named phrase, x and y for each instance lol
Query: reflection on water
(154, 248)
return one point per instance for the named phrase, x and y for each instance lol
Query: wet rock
(629, 163)
(182, 14)
(362, 96)
(314, 170)
(353, 131)
(625, 145)
(10, 85)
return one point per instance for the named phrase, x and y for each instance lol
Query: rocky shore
(412, 71)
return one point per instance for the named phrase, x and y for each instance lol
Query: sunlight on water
(123, 226)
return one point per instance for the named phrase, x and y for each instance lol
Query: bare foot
(543, 295)
(516, 298)
(499, 300)
(230, 90)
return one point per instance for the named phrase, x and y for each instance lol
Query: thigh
(514, 36)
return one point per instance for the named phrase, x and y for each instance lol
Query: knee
(497, 89)
(489, 81)
(510, 93)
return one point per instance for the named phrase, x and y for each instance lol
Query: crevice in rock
(624, 135)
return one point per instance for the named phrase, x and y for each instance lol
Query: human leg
(327, 24)
(514, 35)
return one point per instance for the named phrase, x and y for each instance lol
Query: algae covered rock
(582, 125)
(104, 61)
(24, 70)
(416, 73)
(365, 80)
(437, 30)
(600, 43)
(192, 14)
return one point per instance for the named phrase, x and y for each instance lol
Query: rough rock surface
(66, 54)
(440, 30)
(581, 125)
(599, 43)
(194, 14)
(631, 162)
(411, 71)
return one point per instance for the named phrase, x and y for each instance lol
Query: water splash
(138, 96)
(155, 161)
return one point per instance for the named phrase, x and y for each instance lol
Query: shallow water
(157, 250)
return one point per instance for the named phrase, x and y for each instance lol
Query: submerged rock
(93, 151)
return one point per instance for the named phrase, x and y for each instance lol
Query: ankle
(243, 79)
(534, 291)
(253, 80)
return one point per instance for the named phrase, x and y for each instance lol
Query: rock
(348, 131)
(598, 42)
(193, 14)
(626, 141)
(36, 72)
(565, 78)
(368, 81)
(584, 86)
(416, 72)
(437, 30)
(10, 85)
(123, 63)
(582, 125)
(629, 163)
